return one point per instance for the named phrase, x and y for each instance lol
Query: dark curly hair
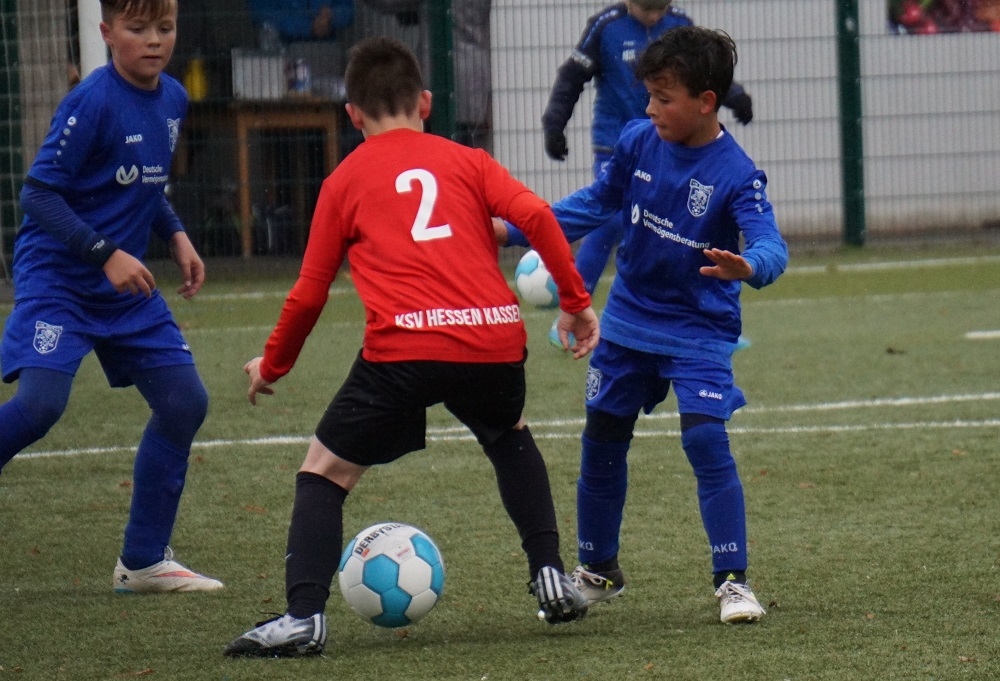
(701, 59)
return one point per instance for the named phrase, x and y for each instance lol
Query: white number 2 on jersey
(429, 191)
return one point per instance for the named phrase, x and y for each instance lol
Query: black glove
(742, 107)
(555, 145)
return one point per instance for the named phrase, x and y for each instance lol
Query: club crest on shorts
(593, 383)
(46, 337)
(699, 197)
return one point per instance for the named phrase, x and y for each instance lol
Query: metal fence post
(851, 139)
(11, 163)
(442, 74)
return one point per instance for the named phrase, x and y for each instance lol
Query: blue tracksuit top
(606, 53)
(611, 42)
(675, 201)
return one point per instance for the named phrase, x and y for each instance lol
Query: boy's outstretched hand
(728, 266)
(585, 330)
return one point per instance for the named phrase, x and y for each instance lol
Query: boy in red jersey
(398, 205)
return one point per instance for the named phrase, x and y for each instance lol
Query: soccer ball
(533, 282)
(391, 574)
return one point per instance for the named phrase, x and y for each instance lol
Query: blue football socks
(720, 494)
(600, 499)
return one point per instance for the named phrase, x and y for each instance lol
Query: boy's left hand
(189, 263)
(728, 266)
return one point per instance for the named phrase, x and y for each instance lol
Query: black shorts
(380, 412)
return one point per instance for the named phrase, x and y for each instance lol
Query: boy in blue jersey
(91, 198)
(611, 42)
(686, 193)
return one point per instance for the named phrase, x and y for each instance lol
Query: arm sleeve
(298, 316)
(539, 224)
(50, 210)
(578, 214)
(584, 210)
(323, 256)
(166, 223)
(765, 249)
(768, 256)
(572, 76)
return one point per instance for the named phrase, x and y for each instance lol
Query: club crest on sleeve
(46, 337)
(699, 197)
(593, 383)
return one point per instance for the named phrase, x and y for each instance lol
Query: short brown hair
(383, 77)
(112, 9)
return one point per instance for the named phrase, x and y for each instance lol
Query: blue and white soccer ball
(391, 574)
(533, 282)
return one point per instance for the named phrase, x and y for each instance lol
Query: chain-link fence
(267, 123)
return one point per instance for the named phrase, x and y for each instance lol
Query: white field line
(341, 290)
(894, 265)
(983, 335)
(460, 433)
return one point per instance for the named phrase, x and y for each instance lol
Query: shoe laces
(734, 592)
(581, 578)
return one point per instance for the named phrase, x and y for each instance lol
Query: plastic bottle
(196, 79)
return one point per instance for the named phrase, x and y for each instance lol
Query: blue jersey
(675, 201)
(108, 155)
(607, 51)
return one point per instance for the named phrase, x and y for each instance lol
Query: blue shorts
(56, 333)
(621, 381)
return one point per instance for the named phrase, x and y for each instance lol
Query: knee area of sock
(603, 470)
(41, 411)
(602, 427)
(513, 444)
(178, 418)
(193, 408)
(707, 448)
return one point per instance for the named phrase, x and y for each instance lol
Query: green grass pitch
(869, 451)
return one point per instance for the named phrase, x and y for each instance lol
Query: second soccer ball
(533, 282)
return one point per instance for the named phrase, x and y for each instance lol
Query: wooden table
(239, 118)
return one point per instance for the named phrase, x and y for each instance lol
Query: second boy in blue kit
(606, 54)
(687, 193)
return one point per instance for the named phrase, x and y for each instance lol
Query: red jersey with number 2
(411, 212)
